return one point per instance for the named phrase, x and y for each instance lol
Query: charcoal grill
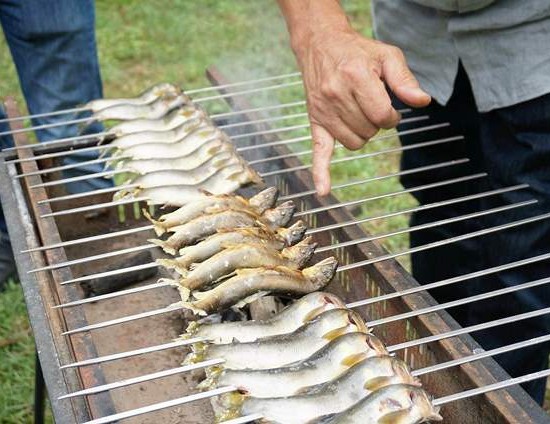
(41, 216)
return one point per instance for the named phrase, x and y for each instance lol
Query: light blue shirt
(504, 45)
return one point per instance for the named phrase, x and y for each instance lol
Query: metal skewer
(298, 214)
(192, 91)
(282, 198)
(441, 283)
(262, 174)
(340, 269)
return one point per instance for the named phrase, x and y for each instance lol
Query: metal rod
(446, 241)
(335, 246)
(111, 273)
(262, 174)
(263, 120)
(340, 269)
(249, 91)
(469, 329)
(282, 198)
(136, 352)
(86, 194)
(458, 302)
(159, 406)
(189, 92)
(142, 378)
(302, 213)
(258, 109)
(44, 126)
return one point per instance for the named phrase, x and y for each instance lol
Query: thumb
(402, 82)
(323, 145)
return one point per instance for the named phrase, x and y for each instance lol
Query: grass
(141, 43)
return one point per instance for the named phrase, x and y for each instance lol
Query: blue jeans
(513, 146)
(53, 46)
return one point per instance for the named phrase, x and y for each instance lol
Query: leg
(516, 148)
(54, 50)
(457, 258)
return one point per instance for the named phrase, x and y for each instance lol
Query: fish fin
(435, 415)
(162, 244)
(311, 315)
(213, 150)
(220, 163)
(193, 308)
(353, 359)
(250, 299)
(396, 417)
(167, 263)
(377, 383)
(157, 225)
(200, 295)
(337, 332)
(191, 329)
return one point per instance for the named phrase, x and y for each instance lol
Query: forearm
(305, 18)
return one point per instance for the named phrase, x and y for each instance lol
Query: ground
(141, 43)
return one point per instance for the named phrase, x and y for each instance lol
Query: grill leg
(39, 393)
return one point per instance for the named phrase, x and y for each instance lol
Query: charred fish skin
(400, 403)
(334, 396)
(281, 350)
(281, 215)
(249, 256)
(251, 283)
(287, 321)
(204, 226)
(324, 365)
(216, 243)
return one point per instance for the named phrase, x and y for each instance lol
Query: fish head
(265, 199)
(162, 89)
(403, 374)
(300, 253)
(322, 272)
(314, 304)
(336, 322)
(192, 111)
(281, 215)
(292, 234)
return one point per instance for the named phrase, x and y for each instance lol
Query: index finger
(323, 145)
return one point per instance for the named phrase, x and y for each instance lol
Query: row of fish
(314, 362)
(230, 251)
(170, 148)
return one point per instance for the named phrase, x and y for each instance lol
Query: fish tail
(164, 245)
(193, 308)
(191, 330)
(212, 377)
(173, 264)
(157, 225)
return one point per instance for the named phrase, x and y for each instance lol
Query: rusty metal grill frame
(42, 291)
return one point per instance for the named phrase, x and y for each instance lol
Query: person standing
(486, 65)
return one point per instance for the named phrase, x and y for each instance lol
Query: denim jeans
(52, 43)
(513, 146)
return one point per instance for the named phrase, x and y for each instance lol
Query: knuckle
(381, 116)
(329, 89)
(396, 52)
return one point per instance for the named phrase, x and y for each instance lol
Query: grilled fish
(171, 121)
(324, 365)
(207, 248)
(250, 284)
(151, 94)
(332, 397)
(197, 176)
(226, 181)
(278, 351)
(397, 404)
(174, 135)
(154, 110)
(287, 321)
(184, 152)
(246, 256)
(209, 204)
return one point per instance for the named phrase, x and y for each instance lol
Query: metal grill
(112, 356)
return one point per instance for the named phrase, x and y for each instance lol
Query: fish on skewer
(286, 321)
(276, 239)
(172, 135)
(206, 225)
(234, 257)
(210, 203)
(396, 404)
(148, 96)
(154, 110)
(195, 134)
(331, 397)
(281, 350)
(250, 284)
(223, 162)
(226, 181)
(171, 121)
(324, 365)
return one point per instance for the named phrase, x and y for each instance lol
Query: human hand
(345, 77)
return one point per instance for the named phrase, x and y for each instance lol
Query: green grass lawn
(141, 43)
